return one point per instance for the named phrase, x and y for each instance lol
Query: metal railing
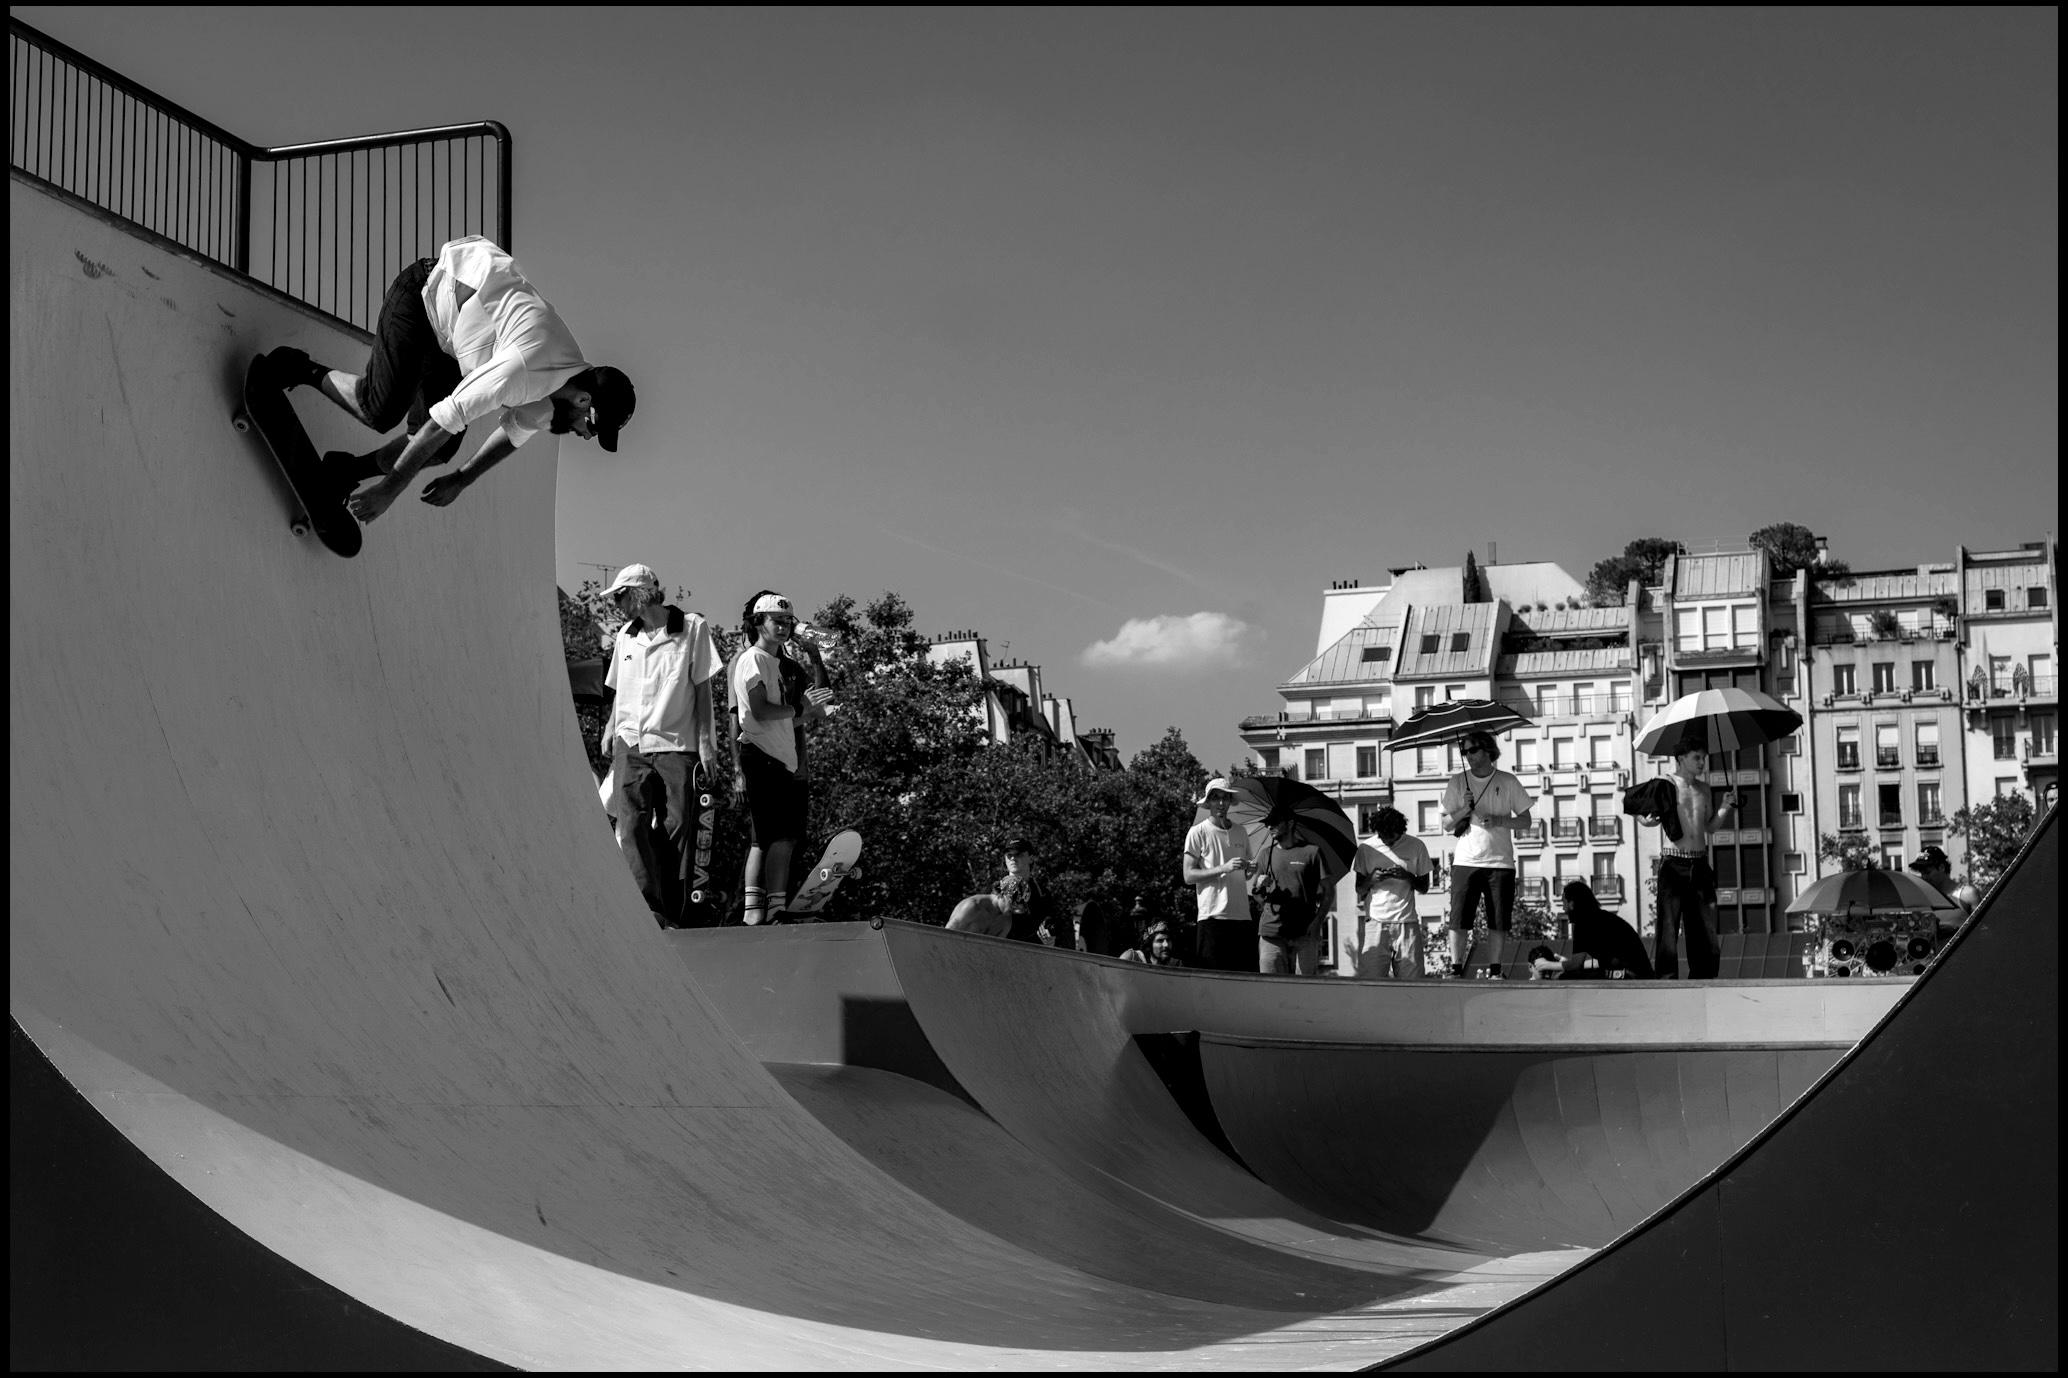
(327, 223)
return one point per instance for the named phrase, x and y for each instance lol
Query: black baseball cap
(1931, 859)
(611, 394)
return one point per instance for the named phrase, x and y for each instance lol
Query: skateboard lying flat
(321, 503)
(834, 865)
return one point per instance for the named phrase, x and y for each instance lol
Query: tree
(1644, 559)
(1852, 851)
(1994, 830)
(1476, 590)
(1790, 546)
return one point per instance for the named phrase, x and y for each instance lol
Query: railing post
(241, 258)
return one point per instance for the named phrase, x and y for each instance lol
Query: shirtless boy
(1687, 883)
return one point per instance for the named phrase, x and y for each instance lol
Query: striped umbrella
(1316, 817)
(1447, 722)
(1717, 720)
(1871, 891)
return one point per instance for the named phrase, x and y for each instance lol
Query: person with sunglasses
(767, 704)
(1484, 807)
(460, 338)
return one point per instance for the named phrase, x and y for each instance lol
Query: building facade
(1921, 690)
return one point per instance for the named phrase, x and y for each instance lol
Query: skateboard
(703, 901)
(834, 865)
(321, 506)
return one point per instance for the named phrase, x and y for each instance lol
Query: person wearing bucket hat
(657, 726)
(461, 338)
(1215, 863)
(768, 702)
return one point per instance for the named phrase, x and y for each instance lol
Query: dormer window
(1378, 654)
(1459, 641)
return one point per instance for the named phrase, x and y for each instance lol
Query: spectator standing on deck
(1391, 870)
(658, 724)
(1484, 807)
(1687, 883)
(765, 756)
(1216, 861)
(1025, 894)
(1287, 886)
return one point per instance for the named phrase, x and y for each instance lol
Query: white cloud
(1200, 640)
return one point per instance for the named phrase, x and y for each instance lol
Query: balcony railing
(1566, 829)
(1888, 760)
(1570, 705)
(1535, 889)
(329, 224)
(1848, 760)
(1607, 889)
(1605, 829)
(1533, 835)
(1927, 757)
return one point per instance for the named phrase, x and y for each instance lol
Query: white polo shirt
(655, 674)
(513, 349)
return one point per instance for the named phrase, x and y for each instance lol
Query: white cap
(771, 602)
(1218, 785)
(634, 576)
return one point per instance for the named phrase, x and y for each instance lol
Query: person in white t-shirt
(659, 722)
(1391, 870)
(460, 338)
(1216, 865)
(766, 706)
(1484, 807)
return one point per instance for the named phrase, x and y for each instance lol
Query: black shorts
(776, 798)
(408, 370)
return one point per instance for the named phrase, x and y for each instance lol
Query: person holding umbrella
(1286, 884)
(1935, 870)
(1688, 730)
(1687, 882)
(1216, 859)
(1484, 807)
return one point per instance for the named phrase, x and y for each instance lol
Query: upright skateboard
(702, 907)
(320, 503)
(834, 865)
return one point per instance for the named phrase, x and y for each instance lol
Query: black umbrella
(1449, 722)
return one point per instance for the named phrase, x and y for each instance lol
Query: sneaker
(294, 368)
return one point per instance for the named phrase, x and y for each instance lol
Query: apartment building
(1883, 715)
(1386, 650)
(1921, 689)
(2009, 690)
(1015, 704)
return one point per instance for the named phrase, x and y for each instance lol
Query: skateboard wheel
(240, 423)
(876, 923)
(703, 801)
(299, 526)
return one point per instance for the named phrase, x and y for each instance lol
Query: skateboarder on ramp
(462, 337)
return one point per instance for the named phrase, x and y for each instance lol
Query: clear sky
(1118, 335)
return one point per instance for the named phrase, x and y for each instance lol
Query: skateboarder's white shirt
(512, 347)
(777, 740)
(655, 674)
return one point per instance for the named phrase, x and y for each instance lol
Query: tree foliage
(1995, 830)
(1644, 559)
(1476, 588)
(1852, 851)
(1790, 546)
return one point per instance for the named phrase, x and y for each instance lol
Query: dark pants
(1687, 899)
(661, 856)
(1225, 945)
(1468, 883)
(408, 370)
